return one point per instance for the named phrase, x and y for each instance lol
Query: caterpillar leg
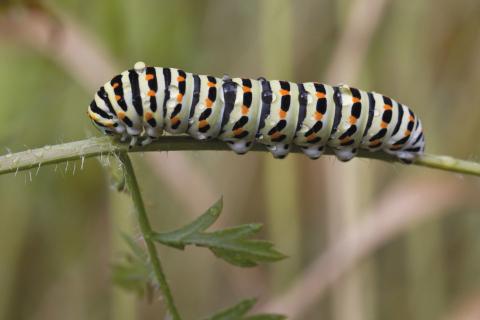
(405, 156)
(151, 134)
(124, 137)
(345, 154)
(279, 151)
(240, 147)
(313, 152)
(147, 141)
(133, 141)
(406, 161)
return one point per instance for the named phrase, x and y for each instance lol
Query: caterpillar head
(101, 118)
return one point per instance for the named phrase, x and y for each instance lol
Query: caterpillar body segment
(143, 102)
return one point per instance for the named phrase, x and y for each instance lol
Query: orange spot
(384, 124)
(275, 135)
(108, 125)
(411, 118)
(211, 84)
(246, 89)
(352, 120)
(202, 123)
(238, 131)
(180, 79)
(149, 77)
(320, 95)
(282, 114)
(151, 93)
(395, 147)
(121, 115)
(284, 92)
(318, 116)
(245, 110)
(374, 142)
(407, 132)
(345, 140)
(387, 107)
(179, 97)
(118, 98)
(355, 99)
(174, 120)
(148, 115)
(115, 85)
(311, 137)
(208, 103)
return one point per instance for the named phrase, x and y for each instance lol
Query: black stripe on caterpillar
(143, 102)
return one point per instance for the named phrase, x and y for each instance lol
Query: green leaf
(245, 230)
(239, 311)
(235, 312)
(266, 317)
(135, 272)
(174, 238)
(230, 244)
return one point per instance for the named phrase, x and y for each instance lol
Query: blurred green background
(60, 226)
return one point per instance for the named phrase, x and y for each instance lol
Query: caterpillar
(143, 102)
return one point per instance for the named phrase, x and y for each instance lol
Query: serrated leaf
(235, 259)
(266, 317)
(238, 312)
(174, 238)
(241, 231)
(230, 244)
(246, 253)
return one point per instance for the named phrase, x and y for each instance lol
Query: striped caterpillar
(145, 101)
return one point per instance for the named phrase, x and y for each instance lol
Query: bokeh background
(365, 239)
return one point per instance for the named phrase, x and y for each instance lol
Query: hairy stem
(147, 232)
(79, 150)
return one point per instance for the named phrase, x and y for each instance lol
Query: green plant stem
(147, 233)
(79, 150)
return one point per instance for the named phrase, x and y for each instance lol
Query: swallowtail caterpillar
(139, 104)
